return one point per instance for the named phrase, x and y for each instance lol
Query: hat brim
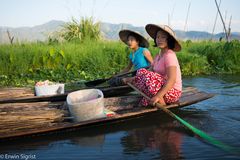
(123, 34)
(152, 30)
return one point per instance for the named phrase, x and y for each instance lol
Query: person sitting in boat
(164, 83)
(140, 57)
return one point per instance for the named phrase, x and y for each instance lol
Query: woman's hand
(157, 99)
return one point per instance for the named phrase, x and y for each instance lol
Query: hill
(109, 31)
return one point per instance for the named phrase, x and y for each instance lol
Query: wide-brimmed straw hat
(152, 30)
(123, 34)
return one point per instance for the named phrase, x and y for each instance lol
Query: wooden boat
(23, 120)
(27, 95)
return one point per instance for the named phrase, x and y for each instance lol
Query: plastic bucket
(49, 89)
(86, 104)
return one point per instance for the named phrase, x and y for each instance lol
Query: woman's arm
(171, 74)
(148, 56)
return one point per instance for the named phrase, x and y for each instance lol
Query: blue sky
(17, 13)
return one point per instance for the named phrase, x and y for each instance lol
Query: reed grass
(24, 64)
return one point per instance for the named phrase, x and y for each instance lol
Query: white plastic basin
(49, 89)
(86, 104)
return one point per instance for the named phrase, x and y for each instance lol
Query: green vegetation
(82, 30)
(221, 57)
(71, 61)
(84, 56)
(22, 64)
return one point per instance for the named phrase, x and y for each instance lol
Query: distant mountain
(108, 30)
(29, 34)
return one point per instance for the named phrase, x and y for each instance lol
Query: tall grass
(22, 64)
(69, 61)
(223, 57)
(81, 30)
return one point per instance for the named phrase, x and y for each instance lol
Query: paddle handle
(148, 98)
(123, 74)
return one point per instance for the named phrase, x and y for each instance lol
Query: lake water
(156, 136)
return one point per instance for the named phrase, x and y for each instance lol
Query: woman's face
(132, 42)
(161, 39)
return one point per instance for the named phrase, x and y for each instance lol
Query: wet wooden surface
(15, 92)
(16, 117)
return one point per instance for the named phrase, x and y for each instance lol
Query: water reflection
(165, 139)
(94, 141)
(162, 134)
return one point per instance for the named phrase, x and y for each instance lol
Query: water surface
(156, 136)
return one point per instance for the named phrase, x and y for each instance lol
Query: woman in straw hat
(140, 57)
(164, 84)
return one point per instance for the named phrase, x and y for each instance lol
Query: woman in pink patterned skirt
(164, 83)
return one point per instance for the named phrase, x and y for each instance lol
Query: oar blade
(196, 131)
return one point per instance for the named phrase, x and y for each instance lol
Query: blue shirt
(139, 60)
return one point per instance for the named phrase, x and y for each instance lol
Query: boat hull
(125, 107)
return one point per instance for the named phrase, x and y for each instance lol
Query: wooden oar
(196, 131)
(99, 81)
